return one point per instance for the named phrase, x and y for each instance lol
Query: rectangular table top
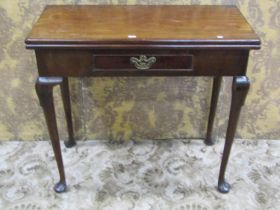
(85, 25)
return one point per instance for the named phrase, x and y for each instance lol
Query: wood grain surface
(116, 25)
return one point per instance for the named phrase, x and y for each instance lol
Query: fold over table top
(135, 26)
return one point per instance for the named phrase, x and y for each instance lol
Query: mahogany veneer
(89, 41)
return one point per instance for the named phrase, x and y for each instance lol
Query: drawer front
(201, 62)
(143, 62)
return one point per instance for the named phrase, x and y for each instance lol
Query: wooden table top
(157, 25)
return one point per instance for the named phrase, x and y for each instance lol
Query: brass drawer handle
(143, 63)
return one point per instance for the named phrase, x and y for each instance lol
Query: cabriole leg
(67, 109)
(44, 88)
(214, 99)
(240, 87)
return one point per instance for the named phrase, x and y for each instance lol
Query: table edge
(240, 44)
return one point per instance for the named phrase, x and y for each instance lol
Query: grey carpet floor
(145, 175)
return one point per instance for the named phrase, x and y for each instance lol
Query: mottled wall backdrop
(130, 108)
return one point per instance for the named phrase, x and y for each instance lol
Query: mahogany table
(90, 41)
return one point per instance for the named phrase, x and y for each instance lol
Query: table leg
(240, 87)
(213, 107)
(67, 109)
(44, 88)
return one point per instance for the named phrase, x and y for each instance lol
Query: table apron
(87, 63)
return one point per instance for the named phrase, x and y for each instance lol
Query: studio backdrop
(137, 108)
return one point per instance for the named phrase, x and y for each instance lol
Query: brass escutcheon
(143, 62)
